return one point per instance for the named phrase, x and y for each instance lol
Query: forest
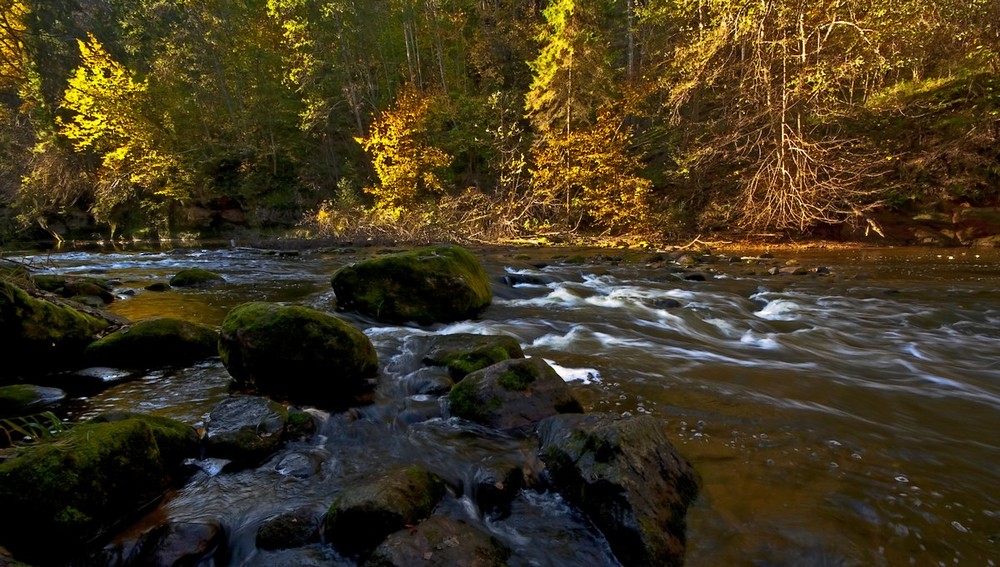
(487, 120)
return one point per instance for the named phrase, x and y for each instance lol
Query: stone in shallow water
(627, 477)
(437, 284)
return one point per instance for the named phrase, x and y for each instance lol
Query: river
(848, 418)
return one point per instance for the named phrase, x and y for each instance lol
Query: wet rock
(698, 276)
(512, 395)
(70, 287)
(363, 515)
(303, 354)
(664, 303)
(39, 335)
(301, 424)
(686, 260)
(26, 399)
(463, 353)
(496, 485)
(440, 541)
(792, 271)
(521, 279)
(434, 381)
(298, 465)
(154, 342)
(158, 286)
(291, 529)
(180, 543)
(437, 284)
(195, 277)
(627, 477)
(246, 430)
(91, 477)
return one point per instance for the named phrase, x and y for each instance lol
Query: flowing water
(849, 418)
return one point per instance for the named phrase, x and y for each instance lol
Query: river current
(845, 418)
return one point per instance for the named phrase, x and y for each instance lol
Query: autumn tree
(408, 167)
(108, 114)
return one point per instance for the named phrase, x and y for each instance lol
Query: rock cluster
(620, 472)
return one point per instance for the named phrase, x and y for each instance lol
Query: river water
(848, 418)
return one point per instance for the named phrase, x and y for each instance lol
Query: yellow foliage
(408, 167)
(106, 104)
(592, 175)
(12, 56)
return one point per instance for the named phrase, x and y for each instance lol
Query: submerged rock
(512, 395)
(440, 542)
(246, 430)
(437, 284)
(362, 516)
(192, 277)
(463, 353)
(155, 342)
(627, 477)
(173, 543)
(303, 354)
(288, 530)
(73, 489)
(40, 335)
(25, 399)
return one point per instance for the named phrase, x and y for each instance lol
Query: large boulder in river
(59, 496)
(296, 352)
(512, 395)
(246, 429)
(39, 335)
(363, 515)
(161, 341)
(463, 353)
(627, 477)
(436, 284)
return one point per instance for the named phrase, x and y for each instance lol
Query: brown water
(845, 419)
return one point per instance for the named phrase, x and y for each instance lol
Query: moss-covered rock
(26, 399)
(303, 354)
(440, 542)
(291, 529)
(89, 291)
(437, 284)
(191, 277)
(246, 429)
(363, 515)
(74, 489)
(512, 395)
(154, 342)
(169, 543)
(40, 335)
(464, 353)
(627, 477)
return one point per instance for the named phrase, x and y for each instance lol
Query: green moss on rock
(512, 395)
(436, 284)
(40, 335)
(363, 515)
(464, 353)
(155, 342)
(76, 488)
(297, 352)
(25, 399)
(195, 277)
